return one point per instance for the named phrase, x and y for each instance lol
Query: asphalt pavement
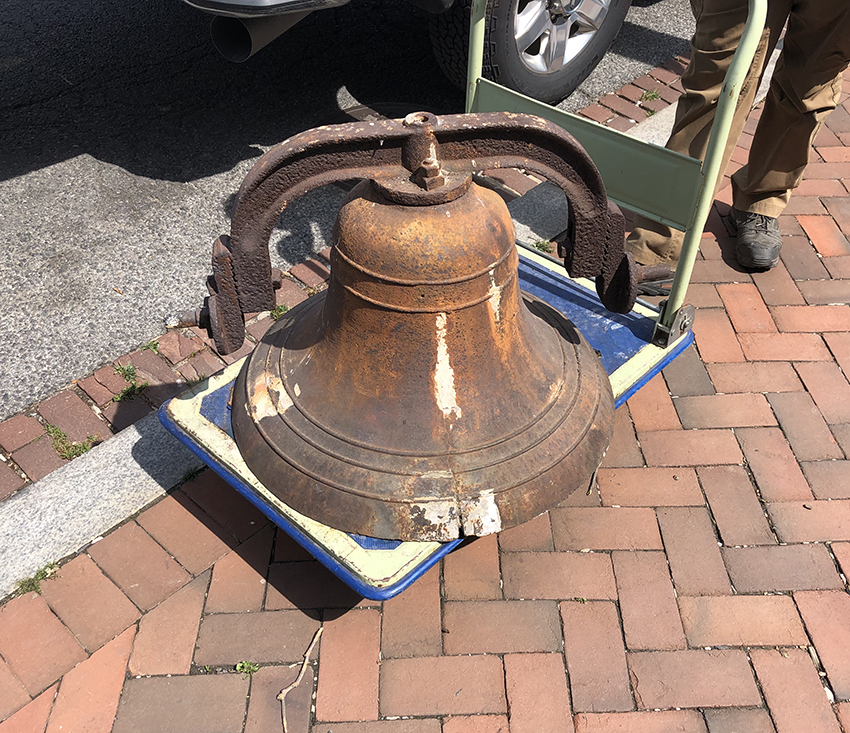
(123, 137)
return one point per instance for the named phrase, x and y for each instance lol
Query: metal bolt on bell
(423, 396)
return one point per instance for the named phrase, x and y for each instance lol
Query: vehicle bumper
(259, 8)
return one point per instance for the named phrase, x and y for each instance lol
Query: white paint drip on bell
(444, 376)
(495, 294)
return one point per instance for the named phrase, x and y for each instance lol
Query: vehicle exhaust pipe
(237, 39)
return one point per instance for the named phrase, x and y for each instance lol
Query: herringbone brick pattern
(701, 588)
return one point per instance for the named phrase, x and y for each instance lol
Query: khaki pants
(805, 88)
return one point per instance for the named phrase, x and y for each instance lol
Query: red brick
(745, 308)
(268, 636)
(185, 531)
(804, 427)
(557, 575)
(138, 565)
(777, 474)
(717, 270)
(666, 721)
(649, 487)
(829, 389)
(167, 633)
(801, 205)
(349, 661)
(73, 416)
(311, 272)
(839, 344)
(825, 138)
(125, 413)
(825, 235)
(287, 549)
(239, 578)
(500, 627)
(828, 479)
(534, 535)
(755, 376)
(623, 107)
(693, 678)
(10, 481)
(812, 521)
(631, 92)
(413, 725)
(828, 170)
(793, 691)
(835, 155)
(411, 622)
(605, 528)
(265, 710)
(800, 258)
(88, 695)
(777, 287)
(597, 113)
(647, 601)
(789, 226)
(838, 267)
(741, 621)
(704, 295)
(826, 292)
(827, 618)
(175, 346)
(812, 318)
(17, 431)
(32, 717)
(821, 188)
(842, 710)
(733, 720)
(308, 585)
(686, 375)
(472, 571)
(462, 724)
(690, 448)
(839, 208)
(225, 505)
(537, 693)
(692, 551)
(724, 411)
(110, 379)
(735, 506)
(38, 459)
(842, 436)
(88, 603)
(596, 659)
(623, 450)
(781, 568)
(149, 367)
(35, 644)
(784, 347)
(651, 407)
(13, 696)
(196, 703)
(202, 365)
(443, 686)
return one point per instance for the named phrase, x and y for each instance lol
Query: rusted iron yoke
(417, 398)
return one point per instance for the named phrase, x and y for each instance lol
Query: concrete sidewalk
(702, 589)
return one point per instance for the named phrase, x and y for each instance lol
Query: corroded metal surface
(395, 151)
(422, 397)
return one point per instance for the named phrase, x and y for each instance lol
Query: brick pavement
(702, 588)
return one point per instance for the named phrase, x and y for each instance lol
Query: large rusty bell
(422, 396)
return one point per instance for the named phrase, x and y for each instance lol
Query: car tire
(585, 30)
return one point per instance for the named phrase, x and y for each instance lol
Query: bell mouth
(435, 494)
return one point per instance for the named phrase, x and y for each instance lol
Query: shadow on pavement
(139, 85)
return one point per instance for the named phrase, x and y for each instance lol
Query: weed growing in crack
(33, 583)
(66, 448)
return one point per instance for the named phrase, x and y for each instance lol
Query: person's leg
(719, 25)
(805, 88)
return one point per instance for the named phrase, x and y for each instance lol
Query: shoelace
(758, 221)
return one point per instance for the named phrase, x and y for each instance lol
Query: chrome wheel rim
(549, 34)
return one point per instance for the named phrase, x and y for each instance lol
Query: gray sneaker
(759, 240)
